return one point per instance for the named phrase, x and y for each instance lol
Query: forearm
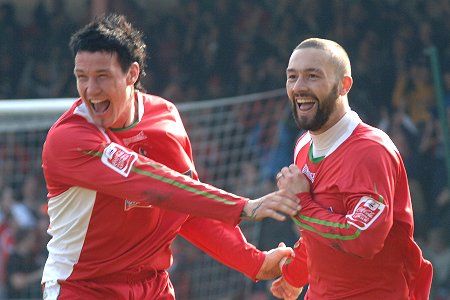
(343, 231)
(224, 243)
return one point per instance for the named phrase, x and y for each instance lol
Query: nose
(92, 88)
(299, 85)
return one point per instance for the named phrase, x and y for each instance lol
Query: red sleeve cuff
(297, 277)
(295, 271)
(261, 256)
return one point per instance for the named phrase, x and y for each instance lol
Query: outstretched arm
(111, 169)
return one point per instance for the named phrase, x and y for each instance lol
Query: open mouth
(100, 106)
(305, 104)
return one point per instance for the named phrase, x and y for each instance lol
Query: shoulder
(370, 144)
(372, 137)
(157, 102)
(158, 108)
(71, 130)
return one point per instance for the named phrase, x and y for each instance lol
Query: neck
(323, 142)
(134, 111)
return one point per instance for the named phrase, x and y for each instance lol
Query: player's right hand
(292, 179)
(281, 289)
(276, 205)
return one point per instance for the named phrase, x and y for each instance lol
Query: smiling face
(106, 89)
(315, 90)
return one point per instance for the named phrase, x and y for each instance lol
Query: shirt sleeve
(295, 270)
(225, 243)
(80, 155)
(370, 181)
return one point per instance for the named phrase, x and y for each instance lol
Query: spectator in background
(433, 170)
(31, 194)
(414, 93)
(24, 272)
(189, 32)
(21, 215)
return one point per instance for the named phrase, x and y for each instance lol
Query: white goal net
(238, 144)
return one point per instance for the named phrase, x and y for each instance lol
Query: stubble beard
(324, 110)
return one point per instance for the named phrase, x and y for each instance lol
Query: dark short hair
(113, 34)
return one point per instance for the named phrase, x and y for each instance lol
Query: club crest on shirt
(365, 213)
(119, 159)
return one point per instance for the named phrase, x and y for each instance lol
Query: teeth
(300, 101)
(95, 101)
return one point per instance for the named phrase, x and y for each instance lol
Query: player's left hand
(281, 289)
(275, 258)
(275, 205)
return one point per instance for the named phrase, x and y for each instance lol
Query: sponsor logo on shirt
(137, 138)
(129, 204)
(308, 173)
(119, 159)
(365, 213)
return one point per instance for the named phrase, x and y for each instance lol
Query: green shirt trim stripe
(328, 235)
(322, 222)
(169, 181)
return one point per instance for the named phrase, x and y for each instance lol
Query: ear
(133, 73)
(347, 83)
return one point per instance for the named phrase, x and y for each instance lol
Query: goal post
(239, 143)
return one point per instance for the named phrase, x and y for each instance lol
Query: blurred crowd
(201, 49)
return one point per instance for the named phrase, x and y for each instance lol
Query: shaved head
(338, 56)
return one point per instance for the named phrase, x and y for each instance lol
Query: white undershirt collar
(326, 142)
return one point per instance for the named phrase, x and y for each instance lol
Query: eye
(80, 77)
(312, 76)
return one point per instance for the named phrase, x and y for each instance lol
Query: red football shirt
(357, 222)
(115, 207)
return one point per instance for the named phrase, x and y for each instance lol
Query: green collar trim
(314, 160)
(125, 128)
